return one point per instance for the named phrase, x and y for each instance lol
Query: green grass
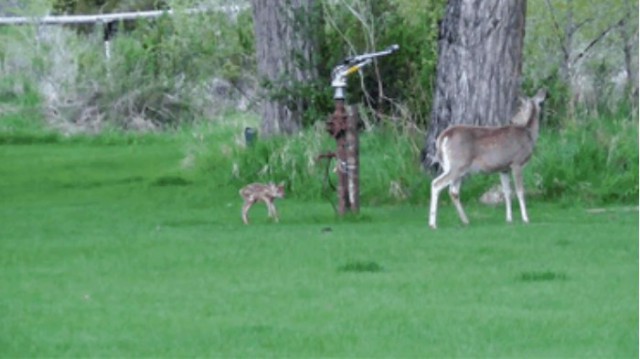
(111, 249)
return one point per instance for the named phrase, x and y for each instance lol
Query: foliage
(400, 85)
(160, 74)
(587, 40)
(596, 162)
(81, 7)
(180, 71)
(593, 162)
(389, 169)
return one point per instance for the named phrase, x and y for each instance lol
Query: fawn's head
(277, 190)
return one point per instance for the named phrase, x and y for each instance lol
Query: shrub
(593, 162)
(160, 75)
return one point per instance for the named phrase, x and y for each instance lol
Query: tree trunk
(567, 64)
(479, 66)
(285, 48)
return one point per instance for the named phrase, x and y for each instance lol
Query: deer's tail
(438, 156)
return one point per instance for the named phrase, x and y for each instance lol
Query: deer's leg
(245, 211)
(506, 190)
(517, 178)
(454, 192)
(437, 185)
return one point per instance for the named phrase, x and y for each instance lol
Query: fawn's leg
(271, 207)
(506, 189)
(517, 178)
(245, 211)
(274, 211)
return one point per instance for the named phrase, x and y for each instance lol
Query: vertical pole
(353, 159)
(107, 50)
(109, 30)
(339, 124)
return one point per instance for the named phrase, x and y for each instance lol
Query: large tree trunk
(285, 48)
(479, 66)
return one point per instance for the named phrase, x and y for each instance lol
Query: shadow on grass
(96, 184)
(190, 223)
(361, 266)
(29, 138)
(541, 276)
(166, 181)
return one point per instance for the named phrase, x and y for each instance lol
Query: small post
(250, 135)
(109, 29)
(344, 128)
(353, 159)
(337, 127)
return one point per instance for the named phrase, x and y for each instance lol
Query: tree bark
(285, 49)
(479, 66)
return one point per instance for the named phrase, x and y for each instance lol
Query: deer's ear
(540, 96)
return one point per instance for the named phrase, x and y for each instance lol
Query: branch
(558, 31)
(327, 10)
(368, 26)
(596, 40)
(581, 24)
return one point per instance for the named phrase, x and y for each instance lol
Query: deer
(267, 193)
(462, 150)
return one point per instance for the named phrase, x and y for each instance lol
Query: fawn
(462, 150)
(266, 193)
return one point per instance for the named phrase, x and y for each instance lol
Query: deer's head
(540, 96)
(529, 107)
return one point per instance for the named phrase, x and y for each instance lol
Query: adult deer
(463, 150)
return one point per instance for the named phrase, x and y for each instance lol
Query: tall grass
(592, 162)
(389, 166)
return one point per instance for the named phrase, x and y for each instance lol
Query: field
(113, 250)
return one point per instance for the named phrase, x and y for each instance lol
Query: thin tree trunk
(567, 64)
(629, 37)
(285, 49)
(479, 66)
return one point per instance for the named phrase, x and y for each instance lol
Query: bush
(593, 162)
(160, 74)
(406, 78)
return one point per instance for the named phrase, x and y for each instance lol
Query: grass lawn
(114, 251)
